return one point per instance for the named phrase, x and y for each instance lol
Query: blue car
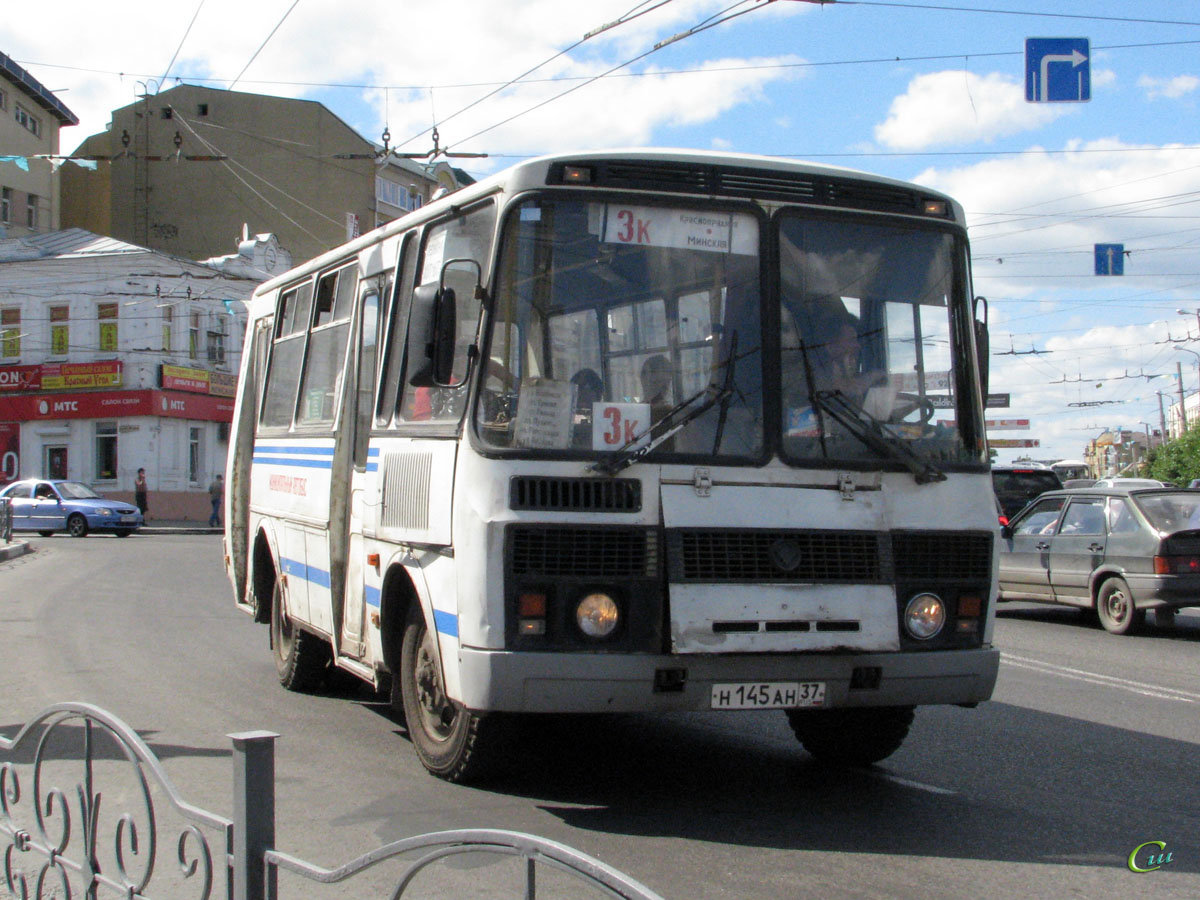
(48, 506)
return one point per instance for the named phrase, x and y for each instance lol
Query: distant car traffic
(1130, 483)
(1116, 550)
(1015, 486)
(47, 506)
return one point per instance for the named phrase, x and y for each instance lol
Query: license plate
(128, 518)
(768, 695)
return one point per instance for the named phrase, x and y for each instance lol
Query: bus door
(363, 510)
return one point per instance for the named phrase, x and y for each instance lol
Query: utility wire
(175, 56)
(263, 44)
(1013, 12)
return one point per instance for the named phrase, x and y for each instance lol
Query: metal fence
(66, 840)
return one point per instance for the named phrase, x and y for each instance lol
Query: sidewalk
(20, 543)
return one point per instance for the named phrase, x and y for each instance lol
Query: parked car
(1116, 550)
(47, 506)
(1015, 486)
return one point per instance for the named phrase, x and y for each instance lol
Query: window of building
(60, 330)
(106, 451)
(5, 205)
(28, 119)
(216, 341)
(168, 319)
(31, 210)
(107, 314)
(194, 336)
(10, 331)
(3, 99)
(195, 455)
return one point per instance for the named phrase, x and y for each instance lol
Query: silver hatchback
(1118, 551)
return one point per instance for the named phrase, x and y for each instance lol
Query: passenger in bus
(589, 389)
(656, 383)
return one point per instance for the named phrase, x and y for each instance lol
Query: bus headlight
(597, 615)
(924, 616)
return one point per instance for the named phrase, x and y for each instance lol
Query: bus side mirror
(982, 341)
(442, 335)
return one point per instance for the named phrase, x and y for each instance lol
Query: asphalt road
(1090, 747)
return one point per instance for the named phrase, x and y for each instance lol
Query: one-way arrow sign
(1057, 70)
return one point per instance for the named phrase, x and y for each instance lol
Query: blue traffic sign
(1110, 259)
(1057, 70)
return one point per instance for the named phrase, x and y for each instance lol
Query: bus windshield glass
(868, 342)
(618, 326)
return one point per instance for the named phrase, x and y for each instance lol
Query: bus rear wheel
(451, 741)
(854, 736)
(300, 658)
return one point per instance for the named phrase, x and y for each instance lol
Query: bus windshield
(612, 317)
(868, 343)
(621, 329)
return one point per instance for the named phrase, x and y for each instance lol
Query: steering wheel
(906, 404)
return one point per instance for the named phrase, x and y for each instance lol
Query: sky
(931, 92)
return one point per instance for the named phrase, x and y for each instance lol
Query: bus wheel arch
(262, 582)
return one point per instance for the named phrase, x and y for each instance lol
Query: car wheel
(77, 525)
(1115, 607)
(452, 742)
(856, 736)
(46, 533)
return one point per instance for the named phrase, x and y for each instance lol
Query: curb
(13, 550)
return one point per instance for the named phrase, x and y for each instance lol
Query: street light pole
(1184, 312)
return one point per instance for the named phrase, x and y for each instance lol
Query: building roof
(67, 244)
(41, 95)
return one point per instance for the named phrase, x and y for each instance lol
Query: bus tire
(451, 741)
(854, 736)
(300, 657)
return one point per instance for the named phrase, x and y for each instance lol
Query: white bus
(627, 432)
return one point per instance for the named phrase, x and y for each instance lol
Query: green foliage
(1177, 461)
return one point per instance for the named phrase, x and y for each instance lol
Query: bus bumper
(496, 680)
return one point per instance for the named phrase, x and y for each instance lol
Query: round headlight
(924, 616)
(597, 615)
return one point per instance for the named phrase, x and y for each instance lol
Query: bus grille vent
(406, 480)
(703, 555)
(949, 555)
(576, 494)
(583, 552)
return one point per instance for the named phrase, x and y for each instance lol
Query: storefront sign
(116, 404)
(20, 378)
(179, 378)
(57, 376)
(10, 451)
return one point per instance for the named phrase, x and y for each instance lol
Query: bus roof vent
(575, 494)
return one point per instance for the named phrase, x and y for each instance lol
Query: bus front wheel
(853, 736)
(300, 658)
(451, 741)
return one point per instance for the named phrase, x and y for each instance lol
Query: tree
(1177, 461)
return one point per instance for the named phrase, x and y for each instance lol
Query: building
(30, 119)
(181, 170)
(114, 357)
(1120, 451)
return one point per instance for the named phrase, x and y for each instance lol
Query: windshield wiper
(674, 421)
(869, 431)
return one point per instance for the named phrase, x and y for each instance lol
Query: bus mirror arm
(981, 343)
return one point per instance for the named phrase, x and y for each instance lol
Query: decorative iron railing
(66, 840)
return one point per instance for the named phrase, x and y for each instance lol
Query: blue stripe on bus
(311, 574)
(445, 623)
(373, 596)
(298, 449)
(294, 463)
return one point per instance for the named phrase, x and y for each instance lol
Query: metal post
(1179, 384)
(253, 813)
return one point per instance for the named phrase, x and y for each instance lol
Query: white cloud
(959, 107)
(1171, 88)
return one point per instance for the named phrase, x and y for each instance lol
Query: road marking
(920, 786)
(1134, 687)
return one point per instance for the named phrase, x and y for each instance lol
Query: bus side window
(326, 358)
(467, 237)
(287, 357)
(392, 371)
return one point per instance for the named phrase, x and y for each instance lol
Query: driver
(835, 356)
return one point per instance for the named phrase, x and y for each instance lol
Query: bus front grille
(742, 555)
(583, 552)
(942, 555)
(543, 493)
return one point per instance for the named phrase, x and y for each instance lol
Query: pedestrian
(140, 495)
(216, 493)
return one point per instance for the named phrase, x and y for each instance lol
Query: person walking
(216, 493)
(141, 493)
